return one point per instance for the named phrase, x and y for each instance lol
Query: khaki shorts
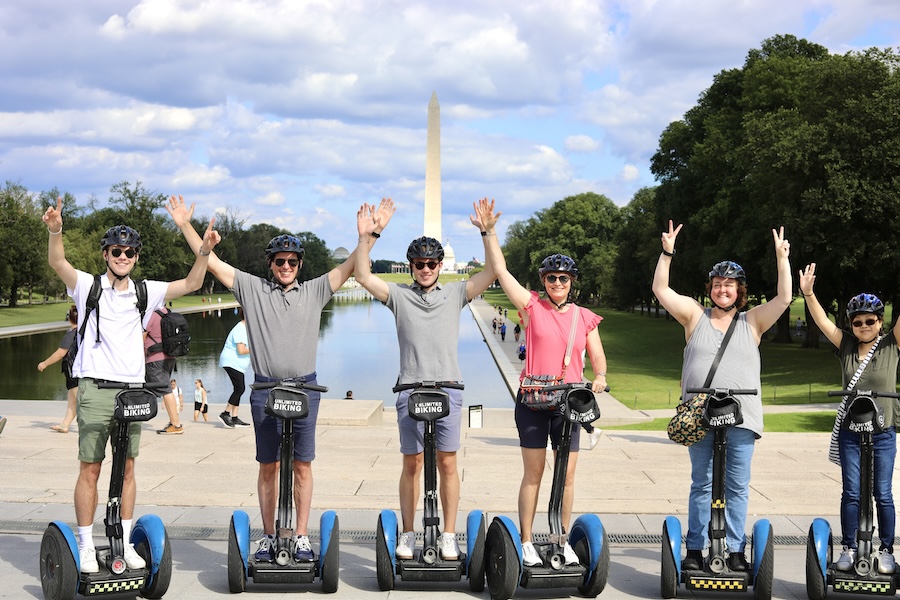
(95, 423)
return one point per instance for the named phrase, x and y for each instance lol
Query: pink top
(547, 335)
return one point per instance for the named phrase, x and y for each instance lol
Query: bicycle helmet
(425, 247)
(730, 270)
(284, 243)
(865, 303)
(121, 235)
(558, 263)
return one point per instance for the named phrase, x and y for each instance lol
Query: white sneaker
(132, 559)
(530, 556)
(594, 437)
(406, 543)
(570, 556)
(88, 559)
(846, 560)
(886, 564)
(449, 547)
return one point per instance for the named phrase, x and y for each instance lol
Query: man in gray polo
(283, 316)
(427, 318)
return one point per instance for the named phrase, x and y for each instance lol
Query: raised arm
(194, 279)
(762, 317)
(181, 215)
(825, 325)
(486, 221)
(684, 309)
(369, 224)
(56, 252)
(493, 255)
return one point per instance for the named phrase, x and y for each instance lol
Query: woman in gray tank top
(704, 330)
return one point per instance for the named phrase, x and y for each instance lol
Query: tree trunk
(812, 332)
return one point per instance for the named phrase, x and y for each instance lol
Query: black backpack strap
(141, 289)
(91, 304)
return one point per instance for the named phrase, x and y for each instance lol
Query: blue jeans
(885, 445)
(741, 443)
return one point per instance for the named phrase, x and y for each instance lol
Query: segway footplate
(416, 569)
(725, 582)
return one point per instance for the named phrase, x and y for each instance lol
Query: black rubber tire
(599, 577)
(816, 587)
(383, 568)
(59, 575)
(237, 575)
(163, 578)
(762, 584)
(668, 577)
(502, 562)
(477, 562)
(331, 562)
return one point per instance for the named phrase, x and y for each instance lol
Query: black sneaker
(226, 418)
(693, 561)
(738, 562)
(236, 422)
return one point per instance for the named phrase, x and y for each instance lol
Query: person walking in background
(503, 331)
(865, 313)
(179, 396)
(517, 331)
(200, 405)
(235, 359)
(704, 330)
(349, 395)
(159, 369)
(63, 354)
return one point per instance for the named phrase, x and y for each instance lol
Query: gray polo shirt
(428, 329)
(283, 326)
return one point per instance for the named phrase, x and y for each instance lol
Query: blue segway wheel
(151, 541)
(818, 558)
(330, 549)
(476, 532)
(670, 559)
(59, 566)
(238, 551)
(385, 544)
(763, 553)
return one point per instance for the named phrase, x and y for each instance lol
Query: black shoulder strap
(92, 303)
(141, 288)
(715, 364)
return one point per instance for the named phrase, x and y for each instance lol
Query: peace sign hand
(668, 237)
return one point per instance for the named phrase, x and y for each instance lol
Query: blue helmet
(121, 235)
(865, 303)
(284, 243)
(558, 263)
(730, 270)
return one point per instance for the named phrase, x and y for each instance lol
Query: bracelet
(202, 253)
(375, 235)
(807, 295)
(54, 232)
(485, 233)
(672, 253)
(600, 374)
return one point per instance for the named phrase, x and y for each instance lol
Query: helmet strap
(114, 274)
(728, 309)
(559, 306)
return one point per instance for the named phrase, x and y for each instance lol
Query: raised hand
(782, 246)
(484, 218)
(668, 237)
(365, 220)
(211, 237)
(179, 211)
(53, 217)
(384, 213)
(808, 279)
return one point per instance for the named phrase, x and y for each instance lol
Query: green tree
(23, 262)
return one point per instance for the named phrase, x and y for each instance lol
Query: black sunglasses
(421, 265)
(562, 278)
(279, 262)
(869, 322)
(117, 252)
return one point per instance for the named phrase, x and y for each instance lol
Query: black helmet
(558, 263)
(730, 270)
(121, 235)
(865, 303)
(284, 243)
(425, 247)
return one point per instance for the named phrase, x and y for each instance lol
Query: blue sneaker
(265, 551)
(302, 550)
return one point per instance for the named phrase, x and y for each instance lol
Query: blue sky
(295, 112)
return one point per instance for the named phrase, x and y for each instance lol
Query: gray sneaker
(886, 564)
(846, 560)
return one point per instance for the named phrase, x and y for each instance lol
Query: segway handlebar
(720, 391)
(871, 393)
(571, 386)
(121, 385)
(288, 383)
(428, 384)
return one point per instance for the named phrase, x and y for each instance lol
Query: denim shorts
(446, 431)
(268, 428)
(535, 426)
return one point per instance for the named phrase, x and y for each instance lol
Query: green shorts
(95, 423)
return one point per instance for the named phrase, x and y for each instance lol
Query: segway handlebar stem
(871, 393)
(289, 383)
(428, 384)
(721, 391)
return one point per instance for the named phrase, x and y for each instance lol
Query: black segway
(506, 568)
(61, 576)
(429, 402)
(864, 417)
(287, 401)
(722, 411)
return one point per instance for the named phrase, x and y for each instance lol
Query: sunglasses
(869, 322)
(117, 252)
(421, 265)
(279, 262)
(562, 278)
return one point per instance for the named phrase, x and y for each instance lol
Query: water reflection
(357, 351)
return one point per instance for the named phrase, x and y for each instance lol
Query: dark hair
(741, 293)
(72, 317)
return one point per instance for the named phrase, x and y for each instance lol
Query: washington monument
(433, 170)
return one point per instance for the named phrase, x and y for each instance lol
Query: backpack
(176, 338)
(93, 303)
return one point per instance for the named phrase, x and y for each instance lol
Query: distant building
(340, 254)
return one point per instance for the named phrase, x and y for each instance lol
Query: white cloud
(581, 143)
